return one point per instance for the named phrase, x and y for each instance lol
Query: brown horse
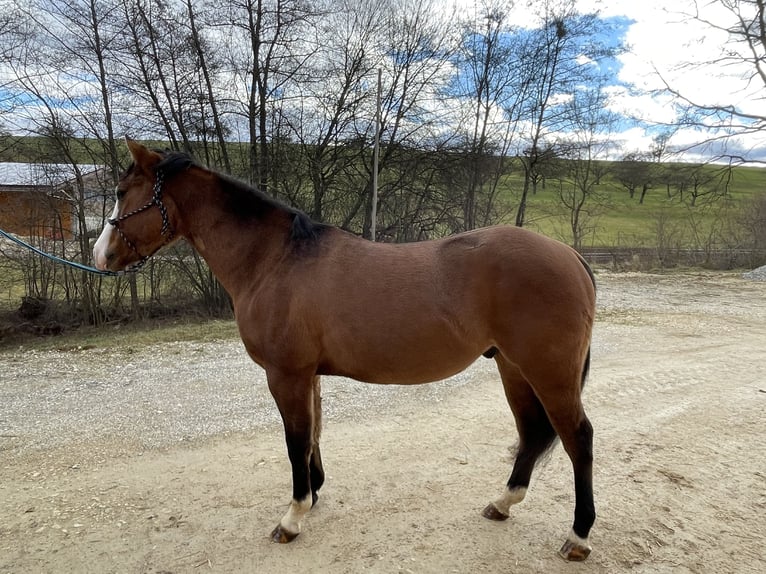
(311, 300)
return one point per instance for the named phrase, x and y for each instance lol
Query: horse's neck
(237, 250)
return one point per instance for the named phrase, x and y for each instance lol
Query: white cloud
(663, 44)
(667, 45)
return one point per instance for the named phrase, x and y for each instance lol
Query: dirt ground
(171, 458)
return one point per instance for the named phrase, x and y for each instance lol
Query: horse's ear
(142, 156)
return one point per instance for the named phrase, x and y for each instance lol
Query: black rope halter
(166, 231)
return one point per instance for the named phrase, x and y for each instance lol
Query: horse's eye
(119, 192)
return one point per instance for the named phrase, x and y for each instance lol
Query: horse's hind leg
(559, 392)
(576, 435)
(536, 435)
(541, 414)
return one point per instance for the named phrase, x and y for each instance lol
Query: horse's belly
(426, 332)
(421, 364)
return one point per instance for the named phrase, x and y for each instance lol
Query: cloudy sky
(665, 43)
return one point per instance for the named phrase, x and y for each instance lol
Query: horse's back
(473, 273)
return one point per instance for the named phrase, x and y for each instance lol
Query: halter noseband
(166, 230)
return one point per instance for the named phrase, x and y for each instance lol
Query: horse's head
(140, 223)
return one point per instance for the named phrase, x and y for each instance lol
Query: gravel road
(170, 458)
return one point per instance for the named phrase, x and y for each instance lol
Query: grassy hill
(613, 218)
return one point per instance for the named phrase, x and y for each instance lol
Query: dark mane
(174, 162)
(245, 201)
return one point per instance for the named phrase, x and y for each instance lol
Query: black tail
(585, 370)
(586, 366)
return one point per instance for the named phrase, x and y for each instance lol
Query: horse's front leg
(294, 397)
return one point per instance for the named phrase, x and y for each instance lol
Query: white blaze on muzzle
(102, 243)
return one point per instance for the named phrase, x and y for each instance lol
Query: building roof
(40, 174)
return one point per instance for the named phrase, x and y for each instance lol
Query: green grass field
(615, 219)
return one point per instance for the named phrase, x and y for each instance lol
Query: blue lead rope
(74, 264)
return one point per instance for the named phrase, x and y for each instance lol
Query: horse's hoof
(575, 550)
(491, 512)
(282, 536)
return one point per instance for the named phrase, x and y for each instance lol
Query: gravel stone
(139, 399)
(758, 274)
(161, 395)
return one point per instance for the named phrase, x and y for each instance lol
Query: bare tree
(334, 93)
(701, 183)
(752, 220)
(11, 39)
(333, 119)
(73, 38)
(588, 146)
(725, 128)
(495, 83)
(209, 92)
(61, 41)
(266, 50)
(547, 56)
(565, 47)
(160, 68)
(635, 173)
(418, 42)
